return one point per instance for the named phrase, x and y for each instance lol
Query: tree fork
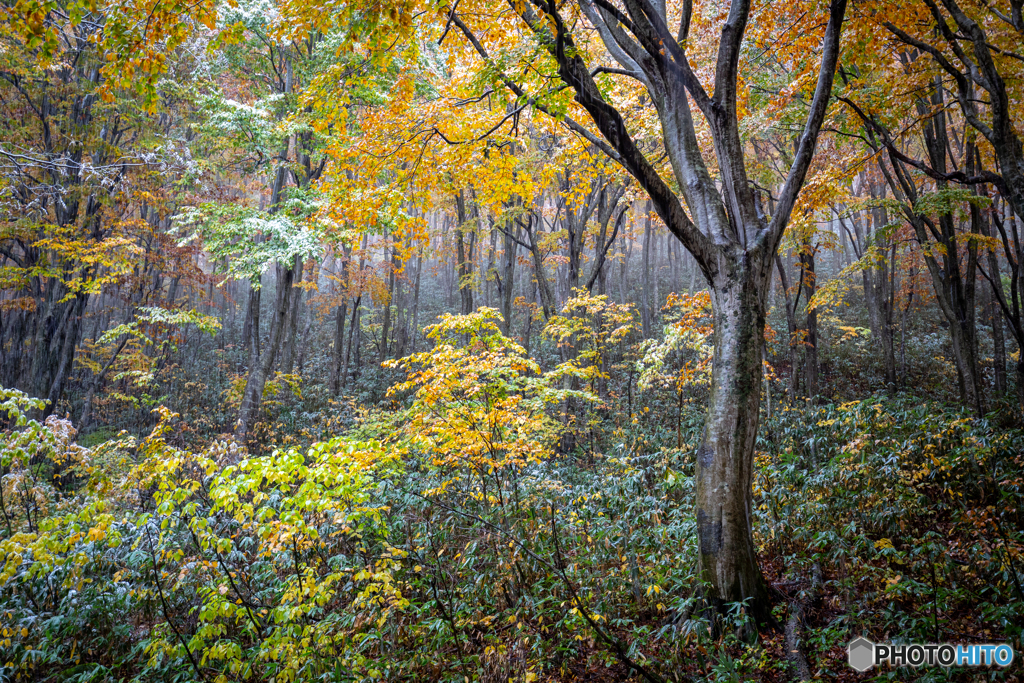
(732, 243)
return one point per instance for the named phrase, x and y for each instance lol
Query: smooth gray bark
(731, 241)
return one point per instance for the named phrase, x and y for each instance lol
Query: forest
(511, 341)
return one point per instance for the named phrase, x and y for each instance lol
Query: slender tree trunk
(465, 257)
(353, 338)
(1020, 376)
(998, 344)
(263, 365)
(645, 294)
(340, 314)
(304, 340)
(386, 325)
(251, 331)
(811, 324)
(355, 324)
(655, 300)
(506, 280)
(673, 263)
(882, 295)
(97, 382)
(528, 331)
(547, 296)
(600, 250)
(491, 272)
(903, 332)
(416, 301)
(791, 327)
(308, 315)
(954, 289)
(1010, 301)
(623, 266)
(356, 337)
(875, 281)
(400, 334)
(965, 355)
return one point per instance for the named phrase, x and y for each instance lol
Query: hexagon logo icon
(861, 654)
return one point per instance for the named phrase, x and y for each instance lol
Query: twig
(167, 610)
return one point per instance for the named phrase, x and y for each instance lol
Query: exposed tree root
(795, 625)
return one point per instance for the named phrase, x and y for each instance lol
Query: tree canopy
(526, 340)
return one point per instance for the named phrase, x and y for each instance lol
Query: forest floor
(350, 559)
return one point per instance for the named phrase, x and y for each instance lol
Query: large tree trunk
(506, 278)
(14, 328)
(251, 329)
(722, 229)
(954, 290)
(69, 344)
(875, 280)
(292, 325)
(880, 297)
(50, 321)
(728, 562)
(54, 342)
